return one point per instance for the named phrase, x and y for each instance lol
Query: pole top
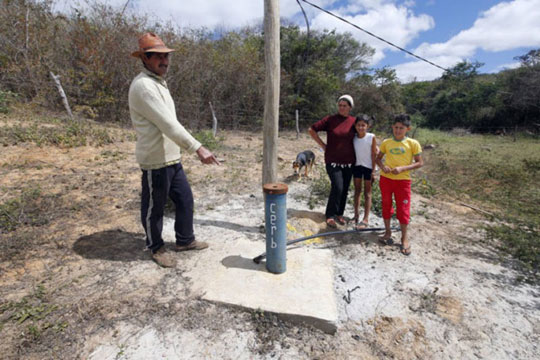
(275, 188)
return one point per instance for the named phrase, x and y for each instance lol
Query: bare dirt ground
(80, 286)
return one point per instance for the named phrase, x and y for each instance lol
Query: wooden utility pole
(271, 102)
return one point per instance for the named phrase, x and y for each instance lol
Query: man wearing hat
(160, 136)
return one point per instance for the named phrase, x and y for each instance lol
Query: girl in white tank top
(365, 148)
(362, 149)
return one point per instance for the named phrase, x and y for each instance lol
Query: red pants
(401, 189)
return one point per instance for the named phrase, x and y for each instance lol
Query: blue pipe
(275, 209)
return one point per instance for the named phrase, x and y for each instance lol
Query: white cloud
(505, 26)
(394, 23)
(513, 65)
(227, 13)
(508, 25)
(208, 13)
(422, 71)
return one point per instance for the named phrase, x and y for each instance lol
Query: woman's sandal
(361, 225)
(406, 250)
(341, 220)
(330, 222)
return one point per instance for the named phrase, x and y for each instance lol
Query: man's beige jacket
(159, 134)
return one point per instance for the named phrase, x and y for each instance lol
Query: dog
(305, 160)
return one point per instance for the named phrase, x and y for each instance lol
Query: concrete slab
(225, 273)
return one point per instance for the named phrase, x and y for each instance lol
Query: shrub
(206, 138)
(6, 98)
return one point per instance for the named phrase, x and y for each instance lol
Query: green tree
(377, 94)
(316, 70)
(417, 96)
(457, 98)
(521, 95)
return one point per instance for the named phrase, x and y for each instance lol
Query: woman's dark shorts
(361, 172)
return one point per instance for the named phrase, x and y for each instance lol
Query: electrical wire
(375, 36)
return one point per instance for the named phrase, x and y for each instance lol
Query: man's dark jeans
(157, 186)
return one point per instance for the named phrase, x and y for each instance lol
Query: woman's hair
(365, 118)
(405, 119)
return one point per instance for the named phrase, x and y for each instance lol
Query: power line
(375, 36)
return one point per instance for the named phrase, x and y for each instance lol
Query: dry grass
(498, 174)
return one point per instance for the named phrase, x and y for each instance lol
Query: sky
(445, 32)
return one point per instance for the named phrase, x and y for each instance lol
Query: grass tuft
(35, 311)
(67, 135)
(30, 208)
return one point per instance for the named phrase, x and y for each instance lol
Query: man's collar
(153, 74)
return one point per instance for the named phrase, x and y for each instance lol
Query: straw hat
(347, 98)
(150, 42)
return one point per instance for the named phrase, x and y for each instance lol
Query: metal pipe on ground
(259, 258)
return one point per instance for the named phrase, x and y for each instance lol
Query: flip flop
(330, 222)
(341, 220)
(386, 242)
(361, 225)
(406, 250)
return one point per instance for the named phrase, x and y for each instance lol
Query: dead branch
(214, 120)
(477, 209)
(297, 123)
(56, 79)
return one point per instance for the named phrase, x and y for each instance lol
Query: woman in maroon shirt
(339, 156)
